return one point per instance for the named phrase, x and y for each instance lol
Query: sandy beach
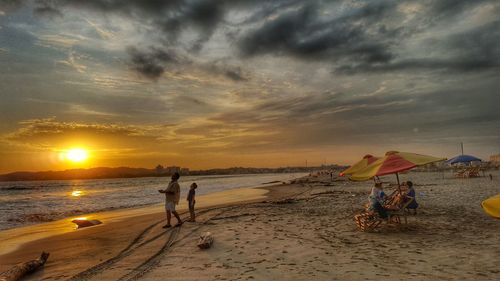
(304, 230)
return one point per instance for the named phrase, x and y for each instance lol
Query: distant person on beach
(411, 193)
(191, 201)
(376, 200)
(172, 196)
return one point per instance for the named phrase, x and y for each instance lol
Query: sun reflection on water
(77, 193)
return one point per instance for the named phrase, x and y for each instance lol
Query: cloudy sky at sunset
(207, 84)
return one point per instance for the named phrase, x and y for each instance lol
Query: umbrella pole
(399, 186)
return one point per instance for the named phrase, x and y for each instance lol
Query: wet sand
(298, 231)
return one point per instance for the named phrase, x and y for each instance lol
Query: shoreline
(298, 231)
(99, 243)
(14, 238)
(37, 203)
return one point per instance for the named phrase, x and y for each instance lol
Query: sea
(25, 203)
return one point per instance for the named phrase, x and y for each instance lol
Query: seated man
(411, 193)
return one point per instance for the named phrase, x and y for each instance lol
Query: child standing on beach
(191, 201)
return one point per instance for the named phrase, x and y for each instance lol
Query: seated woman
(411, 193)
(376, 200)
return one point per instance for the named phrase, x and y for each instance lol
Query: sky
(206, 84)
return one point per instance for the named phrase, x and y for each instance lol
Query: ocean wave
(19, 188)
(40, 217)
(53, 216)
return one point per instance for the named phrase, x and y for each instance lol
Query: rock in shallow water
(85, 223)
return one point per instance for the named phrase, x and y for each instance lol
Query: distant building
(184, 171)
(495, 159)
(173, 169)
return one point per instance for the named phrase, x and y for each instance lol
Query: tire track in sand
(138, 242)
(90, 272)
(153, 260)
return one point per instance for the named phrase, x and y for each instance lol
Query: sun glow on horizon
(77, 155)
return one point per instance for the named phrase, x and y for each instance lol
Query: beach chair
(399, 207)
(395, 204)
(368, 221)
(473, 172)
(461, 173)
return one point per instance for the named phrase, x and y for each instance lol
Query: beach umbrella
(392, 163)
(361, 164)
(462, 159)
(492, 206)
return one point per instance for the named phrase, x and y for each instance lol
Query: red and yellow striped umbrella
(393, 162)
(361, 164)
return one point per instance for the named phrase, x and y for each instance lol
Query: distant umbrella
(361, 164)
(462, 159)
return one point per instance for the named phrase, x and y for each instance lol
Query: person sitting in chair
(411, 193)
(376, 200)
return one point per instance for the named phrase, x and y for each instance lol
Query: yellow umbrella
(361, 164)
(492, 206)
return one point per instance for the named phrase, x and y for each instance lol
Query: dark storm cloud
(446, 8)
(167, 16)
(360, 41)
(10, 4)
(300, 33)
(352, 36)
(48, 12)
(474, 50)
(151, 64)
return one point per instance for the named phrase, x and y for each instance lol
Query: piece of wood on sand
(206, 240)
(19, 270)
(85, 223)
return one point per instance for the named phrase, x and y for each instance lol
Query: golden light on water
(76, 193)
(77, 155)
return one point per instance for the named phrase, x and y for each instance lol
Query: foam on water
(25, 203)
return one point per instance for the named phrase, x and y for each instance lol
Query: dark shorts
(380, 210)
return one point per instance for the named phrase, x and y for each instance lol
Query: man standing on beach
(172, 195)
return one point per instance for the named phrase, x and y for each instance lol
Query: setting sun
(77, 155)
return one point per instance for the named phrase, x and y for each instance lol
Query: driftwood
(19, 270)
(85, 223)
(206, 240)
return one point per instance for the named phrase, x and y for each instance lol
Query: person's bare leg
(179, 221)
(169, 217)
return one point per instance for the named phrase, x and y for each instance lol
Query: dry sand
(311, 235)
